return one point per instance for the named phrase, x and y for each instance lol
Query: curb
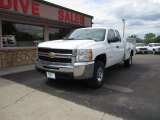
(17, 69)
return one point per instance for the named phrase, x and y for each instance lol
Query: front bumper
(157, 50)
(78, 71)
(142, 51)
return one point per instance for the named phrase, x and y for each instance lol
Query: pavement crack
(119, 88)
(17, 100)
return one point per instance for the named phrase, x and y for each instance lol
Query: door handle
(117, 46)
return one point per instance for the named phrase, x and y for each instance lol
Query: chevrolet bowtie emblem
(51, 55)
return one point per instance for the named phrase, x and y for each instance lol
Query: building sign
(70, 17)
(44, 10)
(23, 4)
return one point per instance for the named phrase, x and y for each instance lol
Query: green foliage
(148, 38)
(158, 39)
(133, 36)
(150, 35)
(151, 38)
(138, 40)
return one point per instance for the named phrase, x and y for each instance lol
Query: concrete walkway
(20, 102)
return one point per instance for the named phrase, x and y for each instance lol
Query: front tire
(128, 62)
(98, 75)
(154, 52)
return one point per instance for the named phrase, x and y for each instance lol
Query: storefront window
(21, 35)
(58, 33)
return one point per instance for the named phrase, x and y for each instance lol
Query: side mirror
(113, 39)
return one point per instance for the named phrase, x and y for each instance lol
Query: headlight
(84, 55)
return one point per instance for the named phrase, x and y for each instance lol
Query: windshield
(156, 44)
(140, 45)
(87, 34)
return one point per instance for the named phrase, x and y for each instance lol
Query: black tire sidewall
(93, 82)
(154, 52)
(128, 62)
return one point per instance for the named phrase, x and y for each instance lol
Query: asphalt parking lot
(130, 93)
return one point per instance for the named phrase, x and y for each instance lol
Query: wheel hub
(100, 74)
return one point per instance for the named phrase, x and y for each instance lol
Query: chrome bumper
(142, 51)
(158, 50)
(78, 70)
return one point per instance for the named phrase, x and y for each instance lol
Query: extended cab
(84, 54)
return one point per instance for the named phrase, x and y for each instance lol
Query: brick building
(25, 23)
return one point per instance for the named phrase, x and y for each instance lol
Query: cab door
(150, 48)
(119, 48)
(111, 49)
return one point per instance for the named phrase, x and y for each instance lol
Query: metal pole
(123, 20)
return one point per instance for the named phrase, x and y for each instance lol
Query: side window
(118, 35)
(111, 34)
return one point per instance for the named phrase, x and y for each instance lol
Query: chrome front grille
(56, 55)
(143, 48)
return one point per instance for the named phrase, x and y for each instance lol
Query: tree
(158, 39)
(138, 40)
(133, 36)
(153, 40)
(149, 35)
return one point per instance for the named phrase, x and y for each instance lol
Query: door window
(118, 35)
(111, 34)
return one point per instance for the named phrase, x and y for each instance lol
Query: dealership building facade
(25, 23)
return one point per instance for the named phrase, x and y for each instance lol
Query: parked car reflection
(9, 41)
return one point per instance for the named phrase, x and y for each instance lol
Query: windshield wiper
(70, 39)
(80, 39)
(89, 38)
(85, 39)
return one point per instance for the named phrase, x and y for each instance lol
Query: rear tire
(98, 75)
(128, 62)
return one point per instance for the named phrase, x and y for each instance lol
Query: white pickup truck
(84, 54)
(154, 48)
(141, 48)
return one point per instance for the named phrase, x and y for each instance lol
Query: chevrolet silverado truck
(84, 54)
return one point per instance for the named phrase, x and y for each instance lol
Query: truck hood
(67, 44)
(156, 47)
(142, 47)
